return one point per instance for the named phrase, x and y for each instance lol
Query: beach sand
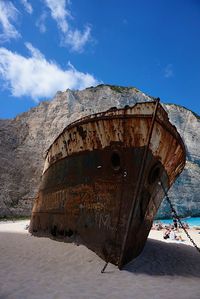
(32, 267)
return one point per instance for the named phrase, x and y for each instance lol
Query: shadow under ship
(103, 179)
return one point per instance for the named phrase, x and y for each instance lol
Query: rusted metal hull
(91, 184)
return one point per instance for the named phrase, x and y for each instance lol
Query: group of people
(171, 231)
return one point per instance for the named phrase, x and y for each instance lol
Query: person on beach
(175, 222)
(159, 226)
(166, 233)
(185, 225)
(174, 237)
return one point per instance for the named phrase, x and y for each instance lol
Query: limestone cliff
(185, 192)
(24, 139)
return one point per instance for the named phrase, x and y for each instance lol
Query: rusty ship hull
(101, 179)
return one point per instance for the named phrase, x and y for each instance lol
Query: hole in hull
(115, 161)
(154, 174)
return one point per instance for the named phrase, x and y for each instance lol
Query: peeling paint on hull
(90, 179)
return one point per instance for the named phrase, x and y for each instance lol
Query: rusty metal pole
(139, 183)
(104, 268)
(122, 190)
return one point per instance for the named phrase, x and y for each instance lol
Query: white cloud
(40, 23)
(8, 13)
(77, 40)
(168, 71)
(59, 13)
(72, 37)
(27, 6)
(36, 77)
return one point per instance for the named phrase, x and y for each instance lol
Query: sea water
(191, 221)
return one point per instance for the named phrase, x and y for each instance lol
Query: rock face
(24, 140)
(185, 192)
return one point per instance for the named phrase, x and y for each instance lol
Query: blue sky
(51, 45)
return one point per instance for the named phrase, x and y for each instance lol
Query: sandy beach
(32, 267)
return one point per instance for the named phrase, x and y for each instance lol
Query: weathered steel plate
(90, 183)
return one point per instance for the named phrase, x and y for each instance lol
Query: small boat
(102, 180)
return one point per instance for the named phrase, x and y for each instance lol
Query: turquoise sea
(191, 221)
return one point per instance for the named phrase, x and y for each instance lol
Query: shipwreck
(102, 179)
